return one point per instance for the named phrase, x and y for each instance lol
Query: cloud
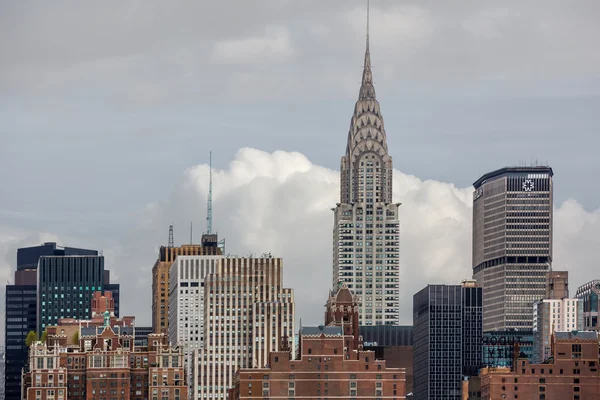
(280, 202)
(274, 46)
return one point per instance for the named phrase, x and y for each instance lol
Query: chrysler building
(366, 232)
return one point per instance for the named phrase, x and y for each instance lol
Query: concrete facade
(160, 280)
(550, 316)
(247, 314)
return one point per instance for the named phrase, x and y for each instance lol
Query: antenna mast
(209, 201)
(171, 243)
(191, 242)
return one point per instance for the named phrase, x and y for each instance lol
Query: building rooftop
(582, 335)
(514, 170)
(321, 330)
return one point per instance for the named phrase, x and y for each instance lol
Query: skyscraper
(247, 315)
(21, 308)
(65, 285)
(160, 277)
(512, 243)
(186, 299)
(366, 252)
(447, 339)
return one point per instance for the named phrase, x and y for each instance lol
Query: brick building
(99, 359)
(572, 373)
(329, 363)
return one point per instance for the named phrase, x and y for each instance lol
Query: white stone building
(366, 248)
(564, 315)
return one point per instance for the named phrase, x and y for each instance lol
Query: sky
(108, 112)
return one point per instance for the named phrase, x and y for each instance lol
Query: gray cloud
(102, 107)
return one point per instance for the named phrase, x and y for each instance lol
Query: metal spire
(367, 91)
(171, 242)
(209, 201)
(368, 10)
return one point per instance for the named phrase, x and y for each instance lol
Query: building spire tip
(368, 16)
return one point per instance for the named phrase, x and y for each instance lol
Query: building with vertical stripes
(512, 243)
(186, 299)
(447, 339)
(160, 277)
(247, 314)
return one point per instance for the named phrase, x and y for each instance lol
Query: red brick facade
(573, 374)
(105, 365)
(330, 364)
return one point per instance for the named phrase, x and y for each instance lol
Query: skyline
(127, 169)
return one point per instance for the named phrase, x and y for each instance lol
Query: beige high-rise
(247, 314)
(512, 243)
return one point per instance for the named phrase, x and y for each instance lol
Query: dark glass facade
(499, 347)
(22, 308)
(28, 257)
(20, 319)
(386, 335)
(115, 289)
(65, 287)
(141, 335)
(588, 294)
(447, 323)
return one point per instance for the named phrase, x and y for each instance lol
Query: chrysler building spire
(366, 136)
(367, 91)
(366, 228)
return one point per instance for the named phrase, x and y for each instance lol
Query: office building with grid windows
(22, 308)
(447, 332)
(247, 315)
(65, 287)
(512, 243)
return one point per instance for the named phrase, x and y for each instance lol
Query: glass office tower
(447, 322)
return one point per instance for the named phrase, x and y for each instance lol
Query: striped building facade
(248, 314)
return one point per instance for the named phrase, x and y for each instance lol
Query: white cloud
(275, 46)
(280, 202)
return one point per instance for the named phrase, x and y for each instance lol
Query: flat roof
(506, 170)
